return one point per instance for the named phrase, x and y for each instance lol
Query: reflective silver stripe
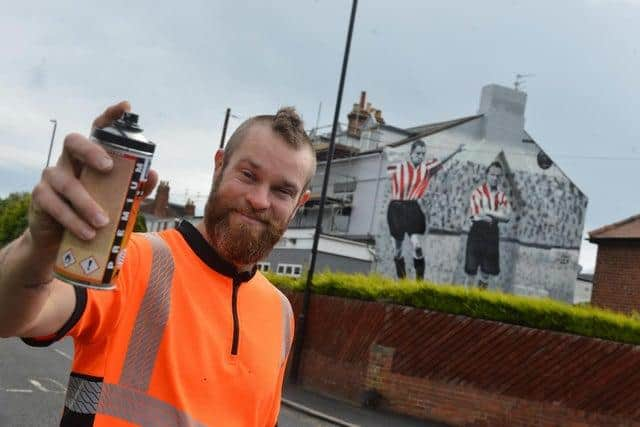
(151, 319)
(139, 408)
(83, 395)
(287, 315)
(129, 400)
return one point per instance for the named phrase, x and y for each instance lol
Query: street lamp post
(302, 319)
(224, 127)
(53, 135)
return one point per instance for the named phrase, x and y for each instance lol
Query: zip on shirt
(236, 320)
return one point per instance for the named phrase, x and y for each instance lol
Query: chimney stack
(359, 115)
(161, 203)
(503, 110)
(189, 208)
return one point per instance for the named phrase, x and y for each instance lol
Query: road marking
(19, 390)
(59, 384)
(39, 386)
(63, 354)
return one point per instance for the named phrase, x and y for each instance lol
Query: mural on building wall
(489, 218)
(488, 207)
(409, 180)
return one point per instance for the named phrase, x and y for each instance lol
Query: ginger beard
(240, 243)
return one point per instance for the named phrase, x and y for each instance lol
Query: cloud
(625, 2)
(39, 76)
(182, 65)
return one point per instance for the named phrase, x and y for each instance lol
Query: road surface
(33, 384)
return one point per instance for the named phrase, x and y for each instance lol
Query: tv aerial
(521, 80)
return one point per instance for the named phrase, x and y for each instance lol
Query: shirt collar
(209, 256)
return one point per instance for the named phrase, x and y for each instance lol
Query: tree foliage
(14, 211)
(141, 224)
(13, 216)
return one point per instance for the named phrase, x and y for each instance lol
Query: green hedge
(540, 313)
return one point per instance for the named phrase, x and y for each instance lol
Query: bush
(13, 216)
(540, 313)
(141, 224)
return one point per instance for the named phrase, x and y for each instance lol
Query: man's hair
(285, 123)
(494, 165)
(418, 143)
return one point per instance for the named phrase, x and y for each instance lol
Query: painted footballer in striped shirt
(488, 207)
(409, 183)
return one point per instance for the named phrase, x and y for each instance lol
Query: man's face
(493, 177)
(417, 155)
(255, 194)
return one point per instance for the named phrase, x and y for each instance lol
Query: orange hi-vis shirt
(184, 340)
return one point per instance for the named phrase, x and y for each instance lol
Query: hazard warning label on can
(89, 265)
(68, 258)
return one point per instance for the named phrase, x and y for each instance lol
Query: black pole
(53, 135)
(224, 127)
(301, 327)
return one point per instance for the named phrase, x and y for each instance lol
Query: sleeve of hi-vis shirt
(96, 311)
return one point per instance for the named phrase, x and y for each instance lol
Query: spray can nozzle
(128, 121)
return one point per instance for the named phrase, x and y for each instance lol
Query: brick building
(160, 214)
(616, 283)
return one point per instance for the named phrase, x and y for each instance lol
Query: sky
(420, 61)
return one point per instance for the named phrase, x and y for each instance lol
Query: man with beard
(193, 334)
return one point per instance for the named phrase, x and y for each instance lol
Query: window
(293, 270)
(344, 187)
(264, 266)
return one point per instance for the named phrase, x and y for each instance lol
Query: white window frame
(264, 266)
(295, 270)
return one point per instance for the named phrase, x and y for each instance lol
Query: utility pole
(53, 135)
(224, 127)
(301, 324)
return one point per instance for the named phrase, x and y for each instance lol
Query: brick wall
(465, 371)
(616, 283)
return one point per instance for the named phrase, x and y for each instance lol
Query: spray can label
(96, 263)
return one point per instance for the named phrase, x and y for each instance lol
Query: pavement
(33, 385)
(341, 413)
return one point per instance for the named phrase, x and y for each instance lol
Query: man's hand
(424, 205)
(60, 201)
(483, 217)
(32, 302)
(498, 217)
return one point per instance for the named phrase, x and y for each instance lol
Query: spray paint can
(95, 263)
